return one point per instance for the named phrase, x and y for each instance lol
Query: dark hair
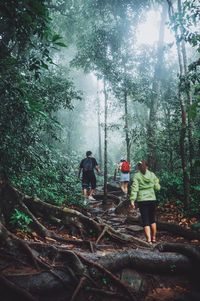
(88, 153)
(142, 166)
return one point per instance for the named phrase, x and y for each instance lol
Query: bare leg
(85, 192)
(126, 187)
(147, 232)
(122, 186)
(91, 192)
(153, 231)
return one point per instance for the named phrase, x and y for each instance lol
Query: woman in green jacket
(143, 189)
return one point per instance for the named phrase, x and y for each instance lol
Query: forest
(120, 79)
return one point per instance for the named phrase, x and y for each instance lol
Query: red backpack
(125, 167)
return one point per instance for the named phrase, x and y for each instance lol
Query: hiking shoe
(85, 201)
(91, 198)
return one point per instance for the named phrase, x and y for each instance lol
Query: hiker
(143, 189)
(124, 167)
(87, 167)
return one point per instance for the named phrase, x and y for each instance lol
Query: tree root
(110, 196)
(178, 230)
(23, 294)
(153, 262)
(58, 269)
(69, 217)
(80, 285)
(102, 234)
(110, 295)
(193, 253)
(114, 279)
(169, 227)
(123, 206)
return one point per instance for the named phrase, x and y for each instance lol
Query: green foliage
(105, 280)
(34, 91)
(186, 22)
(172, 190)
(194, 207)
(20, 220)
(28, 117)
(172, 186)
(105, 27)
(28, 106)
(54, 181)
(92, 233)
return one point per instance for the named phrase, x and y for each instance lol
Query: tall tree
(99, 124)
(105, 142)
(183, 111)
(187, 87)
(156, 93)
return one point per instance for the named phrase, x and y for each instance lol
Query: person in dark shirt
(87, 167)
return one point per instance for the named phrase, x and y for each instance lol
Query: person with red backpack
(125, 169)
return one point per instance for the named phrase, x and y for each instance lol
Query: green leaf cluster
(53, 181)
(20, 220)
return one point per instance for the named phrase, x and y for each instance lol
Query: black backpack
(87, 164)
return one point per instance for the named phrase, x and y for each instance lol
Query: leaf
(192, 111)
(60, 44)
(45, 66)
(56, 37)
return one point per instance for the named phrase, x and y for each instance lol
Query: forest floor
(160, 287)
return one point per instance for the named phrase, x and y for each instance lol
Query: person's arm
(97, 168)
(156, 183)
(134, 191)
(79, 172)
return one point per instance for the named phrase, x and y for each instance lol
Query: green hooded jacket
(144, 186)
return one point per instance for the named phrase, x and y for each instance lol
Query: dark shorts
(88, 180)
(147, 211)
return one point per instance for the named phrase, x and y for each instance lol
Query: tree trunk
(105, 143)
(151, 143)
(186, 185)
(187, 91)
(169, 135)
(99, 124)
(128, 149)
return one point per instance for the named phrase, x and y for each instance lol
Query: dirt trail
(161, 287)
(96, 238)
